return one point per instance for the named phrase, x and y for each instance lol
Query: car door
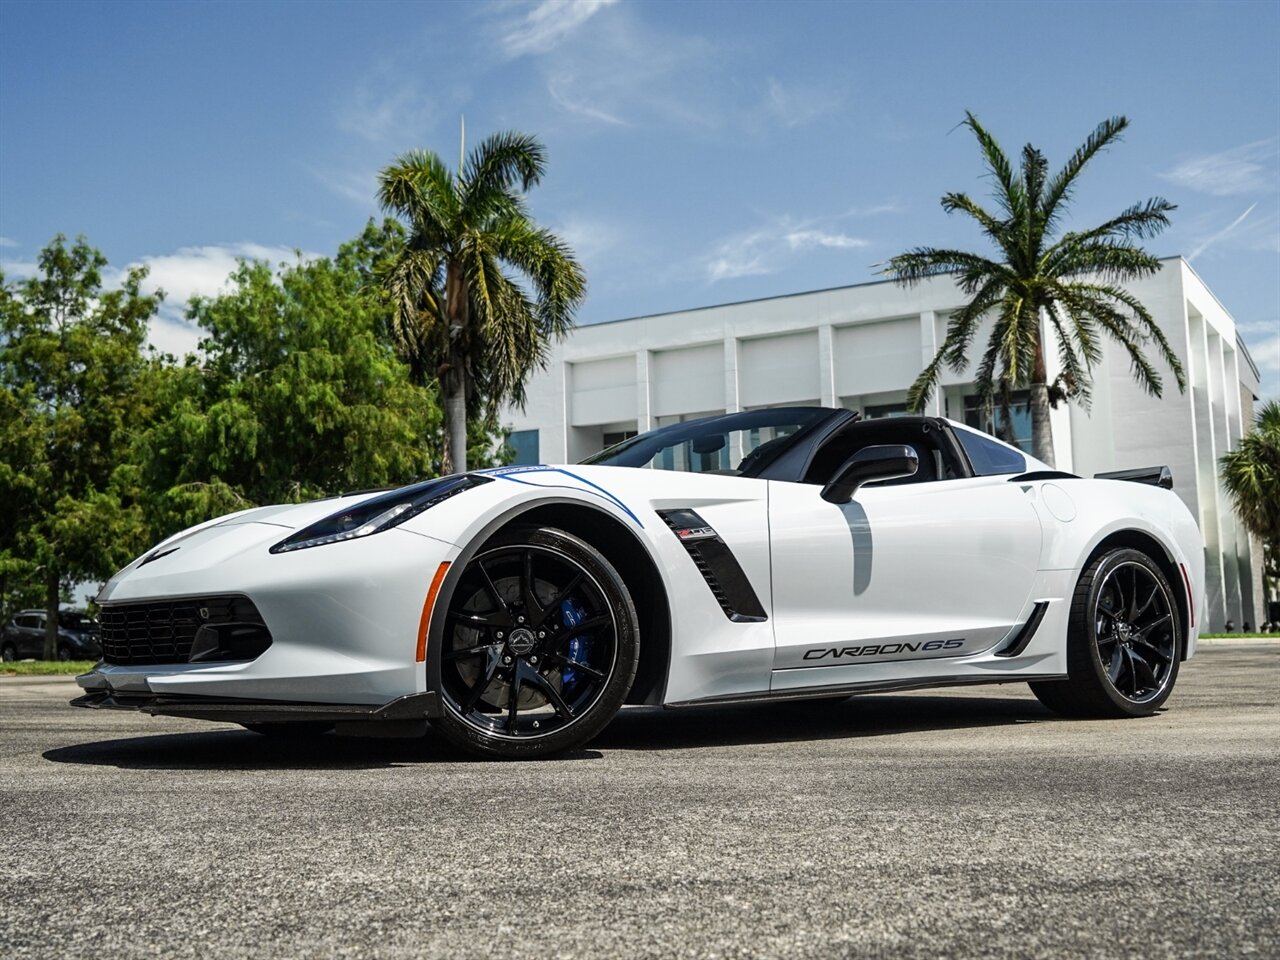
(916, 571)
(30, 635)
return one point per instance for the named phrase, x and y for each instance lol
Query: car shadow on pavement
(223, 749)
(812, 720)
(643, 728)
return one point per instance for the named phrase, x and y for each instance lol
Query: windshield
(736, 443)
(76, 621)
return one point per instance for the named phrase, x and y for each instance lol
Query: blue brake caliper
(572, 614)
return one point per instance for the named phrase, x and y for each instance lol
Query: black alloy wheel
(540, 646)
(1134, 629)
(1124, 641)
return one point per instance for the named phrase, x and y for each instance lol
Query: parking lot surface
(952, 823)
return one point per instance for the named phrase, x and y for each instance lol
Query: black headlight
(379, 513)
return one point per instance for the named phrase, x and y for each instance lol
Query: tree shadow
(635, 728)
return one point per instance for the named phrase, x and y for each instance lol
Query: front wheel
(539, 649)
(1124, 641)
(8, 653)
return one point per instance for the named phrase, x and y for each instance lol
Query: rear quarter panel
(1078, 514)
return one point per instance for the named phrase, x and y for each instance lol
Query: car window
(740, 443)
(990, 457)
(28, 621)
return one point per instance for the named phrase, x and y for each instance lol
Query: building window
(1012, 425)
(613, 439)
(884, 410)
(525, 445)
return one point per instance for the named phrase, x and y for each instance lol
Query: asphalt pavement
(966, 823)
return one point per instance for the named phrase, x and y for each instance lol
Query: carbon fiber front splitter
(404, 716)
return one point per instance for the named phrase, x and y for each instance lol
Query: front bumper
(344, 620)
(402, 716)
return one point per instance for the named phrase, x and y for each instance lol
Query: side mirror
(885, 462)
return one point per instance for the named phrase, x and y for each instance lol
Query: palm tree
(457, 311)
(1070, 284)
(1251, 474)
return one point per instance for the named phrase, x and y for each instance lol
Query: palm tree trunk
(454, 381)
(1041, 431)
(455, 417)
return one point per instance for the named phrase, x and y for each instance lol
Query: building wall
(862, 346)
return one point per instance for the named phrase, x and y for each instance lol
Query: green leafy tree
(1251, 474)
(479, 290)
(1040, 278)
(73, 375)
(297, 395)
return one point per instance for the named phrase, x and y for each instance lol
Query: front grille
(162, 631)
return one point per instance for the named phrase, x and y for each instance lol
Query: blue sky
(699, 152)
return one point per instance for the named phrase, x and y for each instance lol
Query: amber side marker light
(424, 625)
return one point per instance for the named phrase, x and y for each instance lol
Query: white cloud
(1266, 356)
(1266, 353)
(765, 250)
(7, 242)
(379, 114)
(203, 271)
(588, 237)
(19, 269)
(581, 109)
(187, 272)
(797, 104)
(1250, 168)
(807, 239)
(357, 186)
(1220, 235)
(546, 24)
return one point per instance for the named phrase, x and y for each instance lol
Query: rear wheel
(64, 652)
(539, 649)
(1124, 641)
(8, 653)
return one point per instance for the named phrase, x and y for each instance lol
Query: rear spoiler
(1156, 476)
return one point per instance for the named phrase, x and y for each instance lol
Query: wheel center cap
(1124, 630)
(521, 641)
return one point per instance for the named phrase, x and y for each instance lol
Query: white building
(862, 346)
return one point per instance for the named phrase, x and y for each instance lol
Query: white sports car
(766, 555)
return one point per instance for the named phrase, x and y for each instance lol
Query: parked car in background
(79, 637)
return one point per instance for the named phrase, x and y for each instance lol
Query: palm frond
(1078, 352)
(1142, 321)
(1010, 195)
(1058, 193)
(922, 263)
(501, 162)
(1110, 260)
(419, 188)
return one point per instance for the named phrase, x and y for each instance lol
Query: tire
(64, 652)
(1124, 641)
(289, 731)
(540, 647)
(8, 653)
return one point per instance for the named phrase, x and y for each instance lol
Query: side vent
(1023, 636)
(717, 564)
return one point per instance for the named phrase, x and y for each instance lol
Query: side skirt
(848, 690)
